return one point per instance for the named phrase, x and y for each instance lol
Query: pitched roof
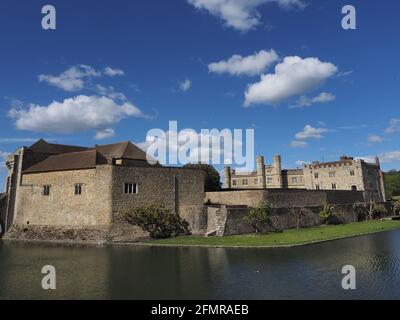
(42, 146)
(122, 150)
(69, 161)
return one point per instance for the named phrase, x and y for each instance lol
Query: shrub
(396, 207)
(159, 221)
(361, 211)
(259, 217)
(378, 210)
(329, 216)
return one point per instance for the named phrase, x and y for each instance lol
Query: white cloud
(185, 85)
(310, 132)
(3, 156)
(201, 147)
(294, 76)
(73, 115)
(305, 101)
(298, 144)
(110, 92)
(251, 65)
(105, 134)
(241, 15)
(75, 78)
(301, 163)
(394, 126)
(372, 138)
(385, 157)
(113, 72)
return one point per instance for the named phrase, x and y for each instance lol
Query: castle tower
(227, 178)
(261, 171)
(278, 169)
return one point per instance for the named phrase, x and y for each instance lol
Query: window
(332, 174)
(234, 182)
(46, 190)
(131, 188)
(255, 181)
(269, 180)
(333, 186)
(294, 180)
(352, 173)
(78, 189)
(245, 182)
(316, 175)
(354, 188)
(317, 187)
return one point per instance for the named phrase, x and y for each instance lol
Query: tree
(329, 215)
(259, 217)
(159, 221)
(212, 180)
(392, 179)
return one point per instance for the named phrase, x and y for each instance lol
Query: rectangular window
(78, 189)
(245, 182)
(269, 180)
(333, 186)
(46, 190)
(352, 173)
(234, 182)
(255, 181)
(131, 188)
(317, 187)
(316, 176)
(332, 174)
(294, 180)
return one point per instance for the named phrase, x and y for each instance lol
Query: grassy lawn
(288, 237)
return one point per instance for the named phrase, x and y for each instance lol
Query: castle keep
(57, 185)
(345, 174)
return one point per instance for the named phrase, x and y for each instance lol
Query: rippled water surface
(128, 272)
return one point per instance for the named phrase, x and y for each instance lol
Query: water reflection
(127, 272)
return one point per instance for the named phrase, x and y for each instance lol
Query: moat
(130, 272)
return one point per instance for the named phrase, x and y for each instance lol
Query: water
(128, 272)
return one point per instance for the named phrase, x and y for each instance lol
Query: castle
(58, 185)
(345, 174)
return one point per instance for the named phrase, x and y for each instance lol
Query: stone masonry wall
(230, 220)
(63, 207)
(3, 203)
(176, 188)
(283, 197)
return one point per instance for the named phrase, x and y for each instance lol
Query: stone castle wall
(228, 221)
(283, 197)
(176, 188)
(3, 204)
(62, 207)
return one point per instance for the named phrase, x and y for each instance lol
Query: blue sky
(116, 69)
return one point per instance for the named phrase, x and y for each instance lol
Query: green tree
(259, 217)
(329, 215)
(392, 179)
(212, 180)
(159, 221)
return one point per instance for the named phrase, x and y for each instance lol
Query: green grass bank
(287, 238)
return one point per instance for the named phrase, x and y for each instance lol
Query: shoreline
(154, 243)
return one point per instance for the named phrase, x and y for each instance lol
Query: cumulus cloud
(251, 65)
(394, 126)
(110, 92)
(293, 76)
(191, 146)
(185, 85)
(108, 71)
(305, 101)
(75, 78)
(3, 156)
(74, 115)
(385, 157)
(310, 132)
(298, 144)
(242, 15)
(372, 138)
(105, 134)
